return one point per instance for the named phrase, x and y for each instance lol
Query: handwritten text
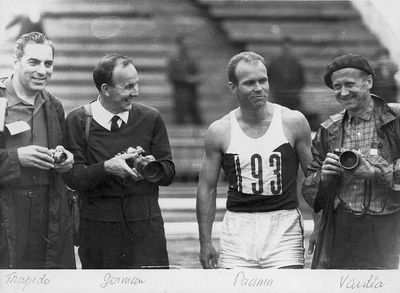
(26, 280)
(110, 280)
(372, 282)
(241, 280)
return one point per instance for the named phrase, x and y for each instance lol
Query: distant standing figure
(286, 76)
(30, 22)
(385, 85)
(183, 74)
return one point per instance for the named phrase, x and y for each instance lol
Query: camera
(59, 155)
(348, 160)
(149, 168)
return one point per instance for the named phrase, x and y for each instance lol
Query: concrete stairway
(85, 30)
(321, 30)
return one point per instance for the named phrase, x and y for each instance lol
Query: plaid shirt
(360, 134)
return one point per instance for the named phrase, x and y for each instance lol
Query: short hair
(103, 72)
(33, 37)
(249, 57)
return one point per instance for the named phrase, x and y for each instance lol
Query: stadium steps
(321, 30)
(85, 30)
(145, 30)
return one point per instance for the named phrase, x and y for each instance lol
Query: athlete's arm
(207, 193)
(302, 144)
(303, 149)
(300, 131)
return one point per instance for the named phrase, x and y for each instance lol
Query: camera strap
(123, 209)
(88, 118)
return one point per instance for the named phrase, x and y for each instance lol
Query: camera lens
(146, 166)
(151, 170)
(59, 157)
(348, 160)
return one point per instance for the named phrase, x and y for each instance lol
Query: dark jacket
(327, 139)
(60, 249)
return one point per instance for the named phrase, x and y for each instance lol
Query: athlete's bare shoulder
(294, 123)
(218, 134)
(293, 118)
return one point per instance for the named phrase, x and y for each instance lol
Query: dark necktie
(114, 123)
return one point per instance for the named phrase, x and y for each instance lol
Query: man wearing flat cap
(360, 204)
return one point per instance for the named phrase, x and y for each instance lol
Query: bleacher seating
(321, 30)
(85, 30)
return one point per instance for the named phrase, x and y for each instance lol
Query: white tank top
(258, 166)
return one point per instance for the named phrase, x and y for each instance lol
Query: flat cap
(347, 61)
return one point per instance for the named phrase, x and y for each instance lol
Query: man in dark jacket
(361, 205)
(121, 221)
(385, 84)
(183, 73)
(35, 229)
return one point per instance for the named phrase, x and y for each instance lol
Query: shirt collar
(12, 97)
(366, 116)
(103, 116)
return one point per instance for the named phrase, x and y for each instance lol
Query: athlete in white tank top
(262, 226)
(257, 165)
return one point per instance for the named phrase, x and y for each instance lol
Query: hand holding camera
(350, 161)
(63, 159)
(330, 167)
(145, 165)
(34, 156)
(354, 163)
(135, 163)
(59, 155)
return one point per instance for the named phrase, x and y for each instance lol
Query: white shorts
(262, 240)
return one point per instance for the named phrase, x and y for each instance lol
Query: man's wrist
(205, 239)
(106, 166)
(206, 243)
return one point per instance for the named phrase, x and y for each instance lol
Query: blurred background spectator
(29, 21)
(286, 76)
(183, 73)
(385, 85)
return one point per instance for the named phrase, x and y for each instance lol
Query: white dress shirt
(103, 116)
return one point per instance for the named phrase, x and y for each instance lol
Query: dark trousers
(365, 241)
(110, 245)
(31, 211)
